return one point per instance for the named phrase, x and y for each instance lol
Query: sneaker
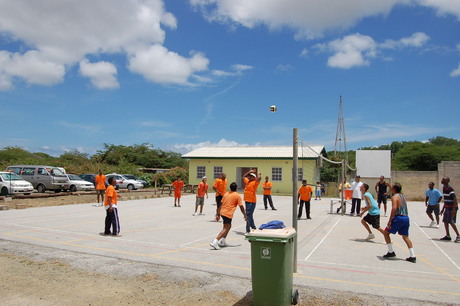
(215, 245)
(370, 236)
(433, 223)
(309, 218)
(412, 259)
(201, 214)
(116, 235)
(446, 238)
(351, 214)
(223, 244)
(265, 208)
(437, 225)
(195, 214)
(385, 215)
(457, 239)
(274, 208)
(388, 255)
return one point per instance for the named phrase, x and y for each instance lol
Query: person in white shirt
(357, 196)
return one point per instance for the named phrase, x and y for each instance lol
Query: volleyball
(273, 108)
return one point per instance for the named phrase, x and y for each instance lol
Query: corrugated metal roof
(254, 152)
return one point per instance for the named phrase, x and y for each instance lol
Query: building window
(277, 174)
(218, 171)
(299, 174)
(200, 172)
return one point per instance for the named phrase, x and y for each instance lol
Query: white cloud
(56, 35)
(357, 50)
(163, 66)
(351, 51)
(102, 74)
(187, 147)
(418, 39)
(443, 7)
(455, 72)
(308, 18)
(304, 53)
(237, 70)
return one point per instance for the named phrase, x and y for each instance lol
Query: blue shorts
(318, 193)
(400, 225)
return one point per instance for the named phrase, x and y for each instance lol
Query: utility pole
(340, 148)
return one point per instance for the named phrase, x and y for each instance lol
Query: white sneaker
(195, 214)
(215, 245)
(201, 214)
(223, 244)
(385, 215)
(433, 223)
(437, 226)
(370, 236)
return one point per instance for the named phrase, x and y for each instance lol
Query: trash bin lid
(279, 234)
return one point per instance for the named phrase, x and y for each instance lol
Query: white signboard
(373, 163)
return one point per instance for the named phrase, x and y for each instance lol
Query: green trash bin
(272, 255)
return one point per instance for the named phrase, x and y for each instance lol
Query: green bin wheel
(295, 297)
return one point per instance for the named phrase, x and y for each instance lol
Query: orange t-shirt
(202, 189)
(250, 190)
(305, 192)
(221, 186)
(267, 185)
(110, 192)
(230, 201)
(177, 188)
(100, 181)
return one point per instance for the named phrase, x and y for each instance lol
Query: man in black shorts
(382, 189)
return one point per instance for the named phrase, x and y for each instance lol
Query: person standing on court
(373, 215)
(111, 208)
(230, 201)
(99, 181)
(251, 181)
(357, 196)
(267, 186)
(304, 196)
(449, 210)
(432, 200)
(201, 191)
(398, 223)
(318, 191)
(178, 185)
(382, 188)
(220, 187)
(344, 185)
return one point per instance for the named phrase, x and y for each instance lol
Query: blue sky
(184, 74)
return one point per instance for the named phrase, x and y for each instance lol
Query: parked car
(11, 183)
(42, 177)
(89, 178)
(78, 184)
(133, 177)
(124, 182)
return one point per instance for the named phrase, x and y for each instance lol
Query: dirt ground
(41, 276)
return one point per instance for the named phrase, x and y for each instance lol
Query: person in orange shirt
(220, 187)
(178, 185)
(304, 195)
(200, 193)
(230, 201)
(110, 205)
(99, 181)
(252, 181)
(267, 186)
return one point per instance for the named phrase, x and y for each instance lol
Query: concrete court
(332, 250)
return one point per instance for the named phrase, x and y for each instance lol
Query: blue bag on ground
(272, 225)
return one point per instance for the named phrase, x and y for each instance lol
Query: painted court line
(444, 253)
(324, 238)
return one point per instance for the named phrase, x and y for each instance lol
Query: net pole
(295, 149)
(342, 202)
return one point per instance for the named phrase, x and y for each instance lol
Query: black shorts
(433, 209)
(219, 200)
(373, 220)
(226, 220)
(382, 198)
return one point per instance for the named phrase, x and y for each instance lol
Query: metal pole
(295, 144)
(342, 202)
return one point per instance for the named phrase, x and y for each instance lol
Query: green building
(272, 161)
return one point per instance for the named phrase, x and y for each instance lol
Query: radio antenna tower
(340, 149)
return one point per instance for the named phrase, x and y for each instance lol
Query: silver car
(123, 182)
(11, 183)
(79, 184)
